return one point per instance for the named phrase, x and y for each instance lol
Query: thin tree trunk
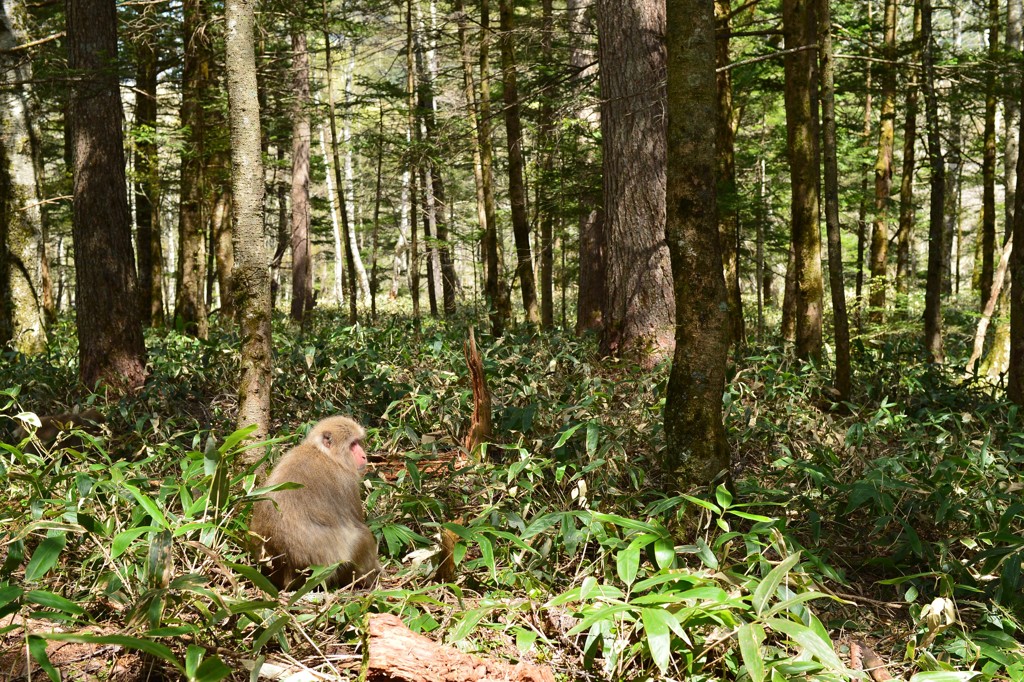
(302, 272)
(414, 258)
(728, 199)
(250, 278)
(904, 236)
(933, 291)
(147, 174)
(516, 167)
(831, 190)
(800, 19)
(546, 203)
(111, 347)
(862, 210)
(883, 170)
(332, 202)
(361, 277)
(223, 249)
(988, 164)
(193, 215)
(480, 131)
(378, 192)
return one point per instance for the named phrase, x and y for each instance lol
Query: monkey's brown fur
(53, 429)
(321, 523)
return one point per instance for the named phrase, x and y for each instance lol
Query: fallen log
(397, 654)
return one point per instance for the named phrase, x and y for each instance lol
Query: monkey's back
(320, 523)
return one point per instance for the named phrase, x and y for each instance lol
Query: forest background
(668, 457)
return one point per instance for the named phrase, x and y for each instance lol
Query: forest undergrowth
(892, 524)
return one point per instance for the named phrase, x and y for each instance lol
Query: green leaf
(467, 623)
(37, 647)
(53, 601)
(808, 639)
(236, 438)
(766, 589)
(944, 676)
(659, 641)
(592, 435)
(627, 563)
(45, 557)
(750, 637)
(256, 578)
(723, 497)
(124, 539)
(150, 507)
(664, 553)
(211, 670)
(9, 593)
(566, 435)
(154, 649)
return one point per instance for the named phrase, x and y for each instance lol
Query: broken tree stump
(480, 428)
(397, 654)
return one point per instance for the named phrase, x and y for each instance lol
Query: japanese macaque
(321, 523)
(53, 431)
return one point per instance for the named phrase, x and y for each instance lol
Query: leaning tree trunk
(22, 243)
(111, 349)
(800, 24)
(639, 311)
(251, 276)
(697, 452)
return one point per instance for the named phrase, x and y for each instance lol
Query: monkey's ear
(327, 440)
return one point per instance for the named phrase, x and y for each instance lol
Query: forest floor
(884, 534)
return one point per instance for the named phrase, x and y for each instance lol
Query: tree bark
(302, 271)
(22, 234)
(988, 163)
(904, 235)
(883, 170)
(546, 181)
(639, 310)
(147, 182)
(800, 24)
(250, 278)
(728, 199)
(831, 188)
(516, 166)
(1015, 374)
(697, 452)
(933, 290)
(193, 213)
(111, 347)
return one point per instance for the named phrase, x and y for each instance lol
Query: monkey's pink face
(358, 456)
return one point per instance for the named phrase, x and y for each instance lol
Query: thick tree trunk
(800, 22)
(883, 170)
(302, 270)
(697, 452)
(193, 213)
(516, 166)
(22, 238)
(639, 310)
(933, 291)
(111, 347)
(250, 279)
